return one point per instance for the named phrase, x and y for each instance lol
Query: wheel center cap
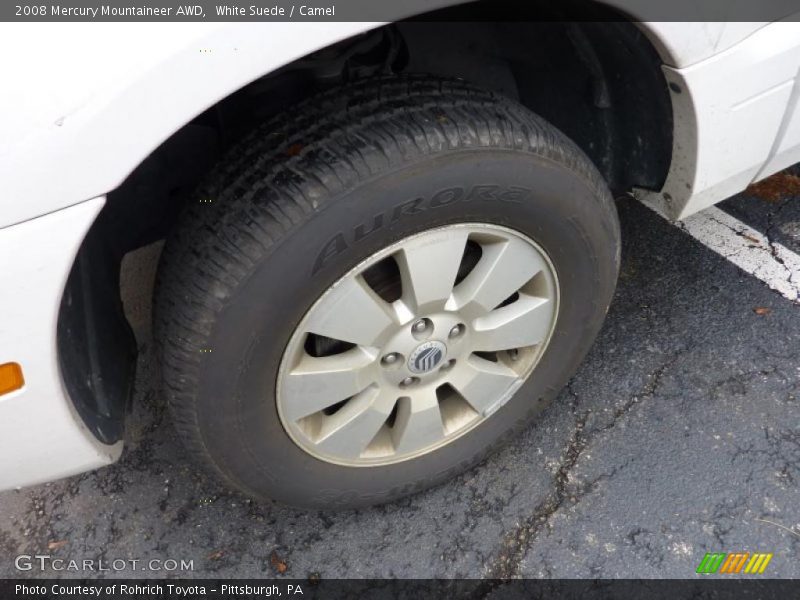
(426, 357)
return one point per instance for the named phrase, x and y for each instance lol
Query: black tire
(311, 194)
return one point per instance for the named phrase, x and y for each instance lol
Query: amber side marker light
(10, 378)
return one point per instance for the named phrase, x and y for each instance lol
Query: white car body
(82, 107)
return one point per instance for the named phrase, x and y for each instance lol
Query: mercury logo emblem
(426, 357)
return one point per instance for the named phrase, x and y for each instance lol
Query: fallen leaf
(773, 189)
(277, 562)
(762, 310)
(56, 545)
(216, 555)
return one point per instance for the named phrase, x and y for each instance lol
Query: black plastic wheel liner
(96, 347)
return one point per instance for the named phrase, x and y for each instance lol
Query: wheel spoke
(353, 313)
(525, 322)
(317, 383)
(483, 383)
(428, 271)
(502, 270)
(349, 431)
(418, 422)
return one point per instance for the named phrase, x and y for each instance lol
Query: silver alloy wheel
(417, 345)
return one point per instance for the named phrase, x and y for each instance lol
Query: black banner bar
(421, 589)
(394, 10)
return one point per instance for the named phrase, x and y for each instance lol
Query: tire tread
(285, 171)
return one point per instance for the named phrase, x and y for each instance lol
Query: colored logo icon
(734, 563)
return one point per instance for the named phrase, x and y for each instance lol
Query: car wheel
(379, 288)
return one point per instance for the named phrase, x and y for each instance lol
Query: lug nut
(408, 381)
(457, 330)
(448, 365)
(390, 359)
(420, 326)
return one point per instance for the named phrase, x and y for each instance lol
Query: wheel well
(599, 82)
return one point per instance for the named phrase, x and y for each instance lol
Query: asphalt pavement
(679, 435)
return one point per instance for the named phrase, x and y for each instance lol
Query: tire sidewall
(550, 203)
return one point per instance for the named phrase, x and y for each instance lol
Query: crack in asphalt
(770, 261)
(518, 541)
(774, 247)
